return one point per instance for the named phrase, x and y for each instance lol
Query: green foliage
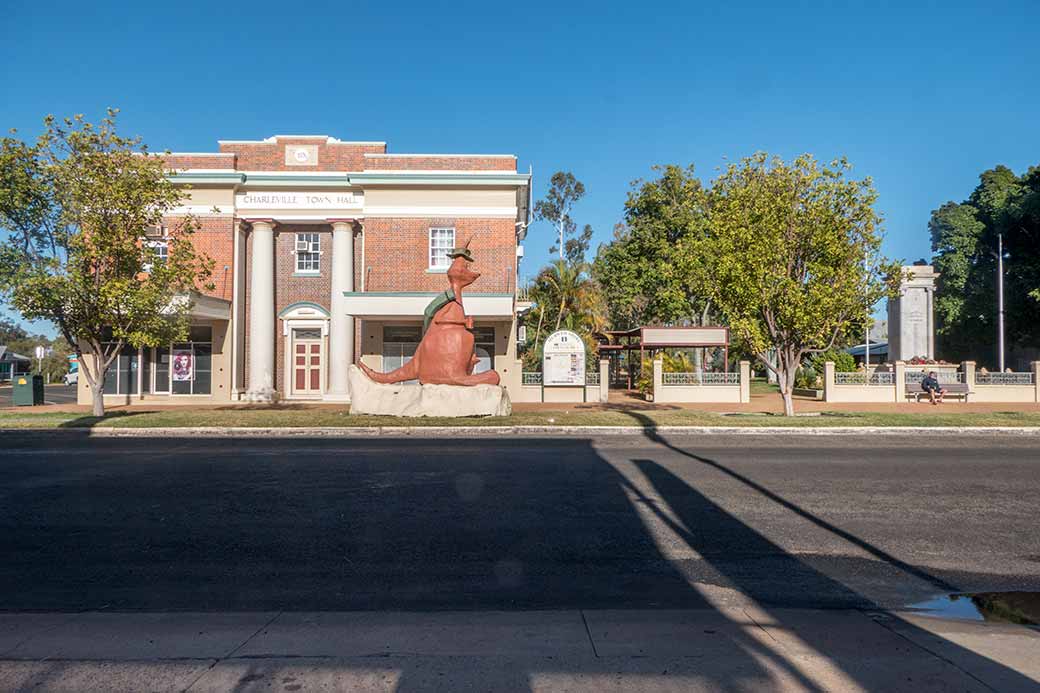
(641, 272)
(678, 362)
(74, 206)
(564, 297)
(16, 339)
(564, 191)
(964, 243)
(644, 381)
(844, 362)
(784, 257)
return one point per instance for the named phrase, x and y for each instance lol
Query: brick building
(326, 253)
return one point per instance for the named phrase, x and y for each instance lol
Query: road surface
(521, 523)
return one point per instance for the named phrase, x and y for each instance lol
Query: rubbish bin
(28, 390)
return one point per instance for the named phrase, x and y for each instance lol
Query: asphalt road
(430, 524)
(52, 394)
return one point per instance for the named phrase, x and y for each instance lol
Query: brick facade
(397, 250)
(204, 161)
(215, 238)
(424, 162)
(270, 156)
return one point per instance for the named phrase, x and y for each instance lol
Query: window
(441, 243)
(308, 253)
(399, 345)
(484, 348)
(121, 377)
(185, 368)
(162, 251)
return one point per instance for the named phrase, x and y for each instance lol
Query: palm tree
(565, 294)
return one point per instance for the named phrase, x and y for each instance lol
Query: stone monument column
(341, 325)
(911, 324)
(261, 313)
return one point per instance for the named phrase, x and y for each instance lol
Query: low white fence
(529, 387)
(733, 388)
(903, 382)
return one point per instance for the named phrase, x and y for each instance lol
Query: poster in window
(183, 365)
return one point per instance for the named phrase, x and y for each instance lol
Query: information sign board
(563, 359)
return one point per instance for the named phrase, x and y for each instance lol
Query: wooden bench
(914, 391)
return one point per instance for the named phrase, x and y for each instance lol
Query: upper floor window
(162, 251)
(308, 253)
(441, 243)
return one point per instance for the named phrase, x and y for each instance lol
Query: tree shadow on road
(405, 524)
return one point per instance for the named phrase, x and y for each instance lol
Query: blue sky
(920, 96)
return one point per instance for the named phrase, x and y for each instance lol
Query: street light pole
(1000, 302)
(866, 352)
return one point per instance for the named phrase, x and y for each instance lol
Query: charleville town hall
(326, 253)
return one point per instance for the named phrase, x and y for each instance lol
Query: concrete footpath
(592, 650)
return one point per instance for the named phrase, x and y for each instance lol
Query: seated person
(931, 385)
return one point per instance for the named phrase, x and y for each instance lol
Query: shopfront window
(121, 378)
(399, 344)
(191, 363)
(484, 348)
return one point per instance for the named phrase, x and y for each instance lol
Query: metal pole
(866, 353)
(1000, 302)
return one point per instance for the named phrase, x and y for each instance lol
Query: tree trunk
(98, 398)
(787, 368)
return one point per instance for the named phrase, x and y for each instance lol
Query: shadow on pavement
(400, 524)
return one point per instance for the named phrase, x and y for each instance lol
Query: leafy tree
(564, 191)
(964, 243)
(844, 362)
(74, 206)
(641, 272)
(784, 257)
(10, 331)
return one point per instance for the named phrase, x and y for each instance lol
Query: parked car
(72, 378)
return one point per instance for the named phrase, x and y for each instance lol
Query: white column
(261, 314)
(341, 325)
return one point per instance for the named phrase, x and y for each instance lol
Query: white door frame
(290, 347)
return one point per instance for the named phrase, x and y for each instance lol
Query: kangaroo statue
(445, 353)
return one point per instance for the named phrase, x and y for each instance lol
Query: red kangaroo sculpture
(445, 354)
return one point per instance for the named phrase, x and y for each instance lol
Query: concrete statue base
(400, 399)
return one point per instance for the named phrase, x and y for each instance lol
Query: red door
(307, 366)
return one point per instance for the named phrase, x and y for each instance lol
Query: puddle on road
(1022, 608)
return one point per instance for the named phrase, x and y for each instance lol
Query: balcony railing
(700, 378)
(864, 378)
(1004, 378)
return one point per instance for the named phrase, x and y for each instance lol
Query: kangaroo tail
(409, 371)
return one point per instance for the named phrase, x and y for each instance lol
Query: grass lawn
(293, 417)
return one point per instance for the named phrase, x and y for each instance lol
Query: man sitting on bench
(931, 385)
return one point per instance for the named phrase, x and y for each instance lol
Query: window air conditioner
(155, 231)
(302, 246)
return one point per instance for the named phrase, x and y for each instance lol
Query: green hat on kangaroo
(462, 252)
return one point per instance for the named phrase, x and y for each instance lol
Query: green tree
(964, 242)
(784, 257)
(564, 191)
(75, 205)
(643, 277)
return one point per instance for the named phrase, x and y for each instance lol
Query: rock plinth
(413, 399)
